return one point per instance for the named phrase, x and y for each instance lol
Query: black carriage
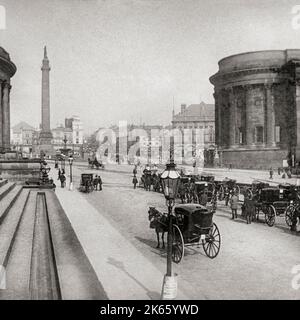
(209, 188)
(96, 164)
(293, 208)
(272, 202)
(193, 225)
(86, 182)
(255, 188)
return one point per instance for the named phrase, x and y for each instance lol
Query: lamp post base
(169, 287)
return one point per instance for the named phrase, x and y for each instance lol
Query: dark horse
(159, 222)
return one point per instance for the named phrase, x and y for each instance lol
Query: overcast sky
(117, 60)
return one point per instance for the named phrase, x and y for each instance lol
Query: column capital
(268, 86)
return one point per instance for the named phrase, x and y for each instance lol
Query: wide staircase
(39, 250)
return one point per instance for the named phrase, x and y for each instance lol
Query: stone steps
(8, 200)
(3, 182)
(10, 225)
(40, 250)
(5, 189)
(19, 261)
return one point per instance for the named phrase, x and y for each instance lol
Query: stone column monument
(45, 138)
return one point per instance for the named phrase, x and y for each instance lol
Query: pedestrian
(203, 199)
(249, 207)
(271, 173)
(100, 183)
(134, 170)
(226, 196)
(62, 179)
(59, 173)
(134, 181)
(95, 182)
(289, 173)
(234, 205)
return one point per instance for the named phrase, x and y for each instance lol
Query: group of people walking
(283, 172)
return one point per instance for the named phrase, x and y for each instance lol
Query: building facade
(7, 71)
(257, 109)
(76, 126)
(22, 137)
(201, 117)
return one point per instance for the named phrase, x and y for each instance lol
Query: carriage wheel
(289, 212)
(178, 245)
(249, 194)
(270, 214)
(212, 242)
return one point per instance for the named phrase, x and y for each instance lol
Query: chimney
(183, 107)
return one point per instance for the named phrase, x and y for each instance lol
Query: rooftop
(196, 112)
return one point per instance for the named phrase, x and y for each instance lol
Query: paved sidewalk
(122, 270)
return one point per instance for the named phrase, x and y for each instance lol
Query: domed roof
(6, 64)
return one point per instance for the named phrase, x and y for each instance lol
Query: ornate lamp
(71, 178)
(170, 181)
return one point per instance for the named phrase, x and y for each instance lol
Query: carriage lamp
(170, 181)
(71, 178)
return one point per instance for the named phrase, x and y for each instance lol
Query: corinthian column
(270, 115)
(6, 117)
(232, 118)
(217, 120)
(249, 125)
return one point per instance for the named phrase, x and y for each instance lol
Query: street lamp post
(170, 181)
(71, 177)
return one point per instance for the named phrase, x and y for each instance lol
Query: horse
(159, 222)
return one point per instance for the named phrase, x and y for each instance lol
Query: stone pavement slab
(122, 270)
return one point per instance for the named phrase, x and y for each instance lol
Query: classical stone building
(202, 117)
(7, 70)
(257, 108)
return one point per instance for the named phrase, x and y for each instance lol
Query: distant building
(22, 137)
(76, 126)
(198, 116)
(68, 136)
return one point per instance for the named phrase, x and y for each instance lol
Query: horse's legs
(157, 235)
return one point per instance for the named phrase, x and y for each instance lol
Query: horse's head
(152, 213)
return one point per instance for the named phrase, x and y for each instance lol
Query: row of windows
(259, 135)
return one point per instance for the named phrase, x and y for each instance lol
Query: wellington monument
(45, 137)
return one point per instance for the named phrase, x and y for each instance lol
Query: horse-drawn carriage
(193, 225)
(272, 202)
(209, 189)
(95, 164)
(86, 182)
(255, 188)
